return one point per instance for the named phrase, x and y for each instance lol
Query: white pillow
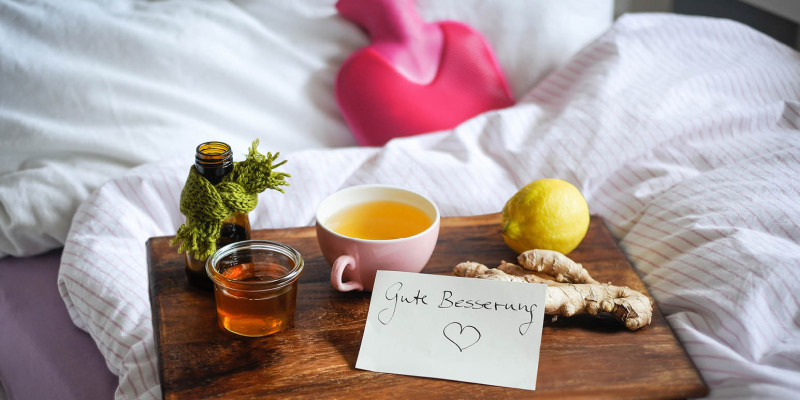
(530, 38)
(89, 89)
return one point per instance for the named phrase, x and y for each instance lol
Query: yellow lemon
(546, 214)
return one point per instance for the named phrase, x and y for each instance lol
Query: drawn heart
(462, 336)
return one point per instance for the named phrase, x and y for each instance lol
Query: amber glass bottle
(214, 161)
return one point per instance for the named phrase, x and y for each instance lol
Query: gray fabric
(42, 354)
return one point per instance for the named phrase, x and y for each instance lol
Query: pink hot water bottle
(414, 77)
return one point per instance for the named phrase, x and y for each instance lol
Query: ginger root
(555, 264)
(570, 288)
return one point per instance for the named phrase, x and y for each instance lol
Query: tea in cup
(366, 228)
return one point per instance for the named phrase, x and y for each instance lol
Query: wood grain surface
(581, 357)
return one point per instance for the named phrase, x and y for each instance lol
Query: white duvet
(92, 88)
(683, 134)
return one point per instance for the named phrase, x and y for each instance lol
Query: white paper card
(470, 330)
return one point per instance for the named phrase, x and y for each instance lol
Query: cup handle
(343, 262)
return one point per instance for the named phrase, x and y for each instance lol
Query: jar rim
(255, 244)
(213, 149)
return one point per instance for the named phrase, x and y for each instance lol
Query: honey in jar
(255, 286)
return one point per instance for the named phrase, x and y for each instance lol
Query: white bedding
(683, 134)
(92, 88)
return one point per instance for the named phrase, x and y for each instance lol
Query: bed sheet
(42, 354)
(683, 133)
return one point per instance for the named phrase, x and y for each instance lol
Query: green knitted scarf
(206, 206)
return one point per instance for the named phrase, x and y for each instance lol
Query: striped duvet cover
(683, 134)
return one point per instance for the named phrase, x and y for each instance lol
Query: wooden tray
(580, 356)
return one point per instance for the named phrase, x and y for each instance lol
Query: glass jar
(255, 286)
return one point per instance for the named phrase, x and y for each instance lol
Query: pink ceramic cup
(355, 261)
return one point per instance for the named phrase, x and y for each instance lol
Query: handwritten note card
(462, 329)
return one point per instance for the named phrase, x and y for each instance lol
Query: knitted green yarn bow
(206, 206)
